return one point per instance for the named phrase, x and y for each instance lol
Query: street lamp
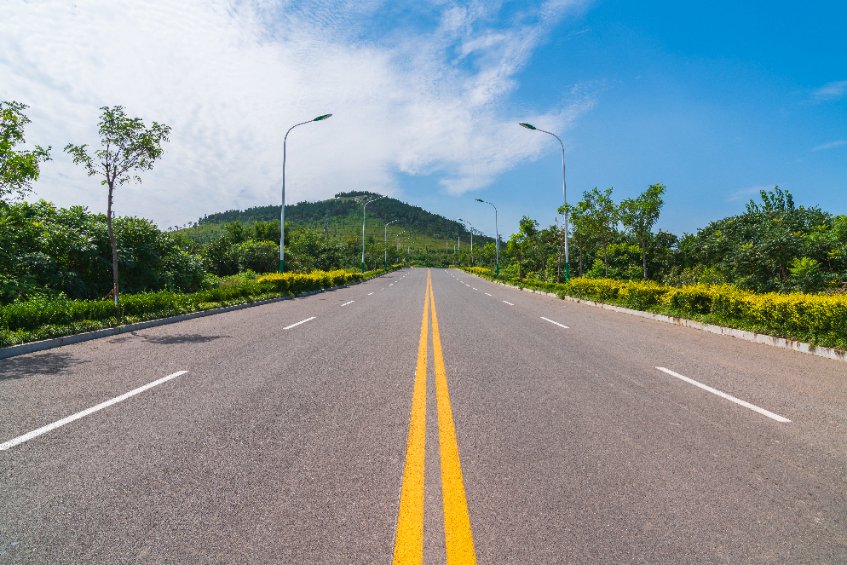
(385, 245)
(364, 208)
(497, 241)
(471, 226)
(564, 193)
(282, 210)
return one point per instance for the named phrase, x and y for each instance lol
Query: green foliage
(640, 214)
(127, 146)
(47, 251)
(19, 168)
(819, 319)
(44, 317)
(807, 275)
(327, 234)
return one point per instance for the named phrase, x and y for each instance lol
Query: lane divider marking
(476, 289)
(487, 294)
(298, 323)
(73, 417)
(556, 323)
(507, 302)
(370, 293)
(726, 396)
(458, 536)
(408, 539)
(348, 302)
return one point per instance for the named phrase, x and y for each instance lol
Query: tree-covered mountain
(345, 211)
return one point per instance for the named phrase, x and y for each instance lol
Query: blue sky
(715, 100)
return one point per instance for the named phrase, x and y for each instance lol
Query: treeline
(50, 251)
(773, 246)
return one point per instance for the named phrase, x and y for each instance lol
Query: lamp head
(322, 117)
(480, 200)
(527, 126)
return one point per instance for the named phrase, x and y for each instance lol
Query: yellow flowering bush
(821, 319)
(299, 282)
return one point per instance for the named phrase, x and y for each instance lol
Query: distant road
(422, 417)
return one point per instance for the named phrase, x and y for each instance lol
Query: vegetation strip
(735, 328)
(70, 321)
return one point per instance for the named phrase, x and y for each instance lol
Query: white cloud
(830, 145)
(830, 91)
(747, 193)
(230, 76)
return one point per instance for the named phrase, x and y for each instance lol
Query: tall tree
(600, 216)
(128, 146)
(640, 214)
(18, 167)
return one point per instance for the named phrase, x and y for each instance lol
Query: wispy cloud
(747, 193)
(830, 145)
(426, 95)
(830, 91)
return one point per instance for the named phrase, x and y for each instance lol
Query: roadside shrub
(818, 318)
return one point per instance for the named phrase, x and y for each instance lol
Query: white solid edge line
(58, 424)
(556, 323)
(300, 322)
(509, 303)
(348, 302)
(487, 294)
(729, 397)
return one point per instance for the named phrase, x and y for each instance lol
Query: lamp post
(471, 226)
(364, 209)
(497, 241)
(282, 209)
(564, 193)
(385, 245)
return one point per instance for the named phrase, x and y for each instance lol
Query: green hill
(340, 218)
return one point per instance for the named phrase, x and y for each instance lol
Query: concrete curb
(32, 347)
(781, 342)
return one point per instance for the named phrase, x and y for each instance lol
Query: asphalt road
(370, 423)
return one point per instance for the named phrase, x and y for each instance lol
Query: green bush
(44, 317)
(819, 319)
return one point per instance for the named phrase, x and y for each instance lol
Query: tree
(127, 146)
(640, 214)
(600, 216)
(18, 168)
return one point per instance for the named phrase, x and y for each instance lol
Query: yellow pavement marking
(457, 523)
(408, 540)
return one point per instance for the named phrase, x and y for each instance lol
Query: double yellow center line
(408, 541)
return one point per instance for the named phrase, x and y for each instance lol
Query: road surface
(422, 417)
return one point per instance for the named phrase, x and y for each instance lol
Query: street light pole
(385, 245)
(364, 209)
(282, 209)
(497, 241)
(564, 193)
(471, 226)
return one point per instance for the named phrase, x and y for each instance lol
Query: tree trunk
(114, 243)
(644, 258)
(606, 258)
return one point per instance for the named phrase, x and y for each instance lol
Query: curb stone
(780, 342)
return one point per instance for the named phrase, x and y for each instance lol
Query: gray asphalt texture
(288, 446)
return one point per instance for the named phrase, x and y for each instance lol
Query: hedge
(44, 318)
(817, 318)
